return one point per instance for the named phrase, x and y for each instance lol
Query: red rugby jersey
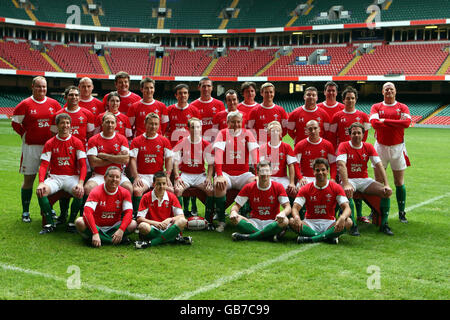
(299, 118)
(82, 122)
(279, 156)
(32, 118)
(396, 119)
(356, 158)
(341, 122)
(140, 109)
(307, 151)
(193, 156)
(178, 118)
(151, 208)
(112, 145)
(265, 203)
(150, 153)
(321, 202)
(105, 209)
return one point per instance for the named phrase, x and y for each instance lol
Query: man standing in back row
(31, 120)
(390, 118)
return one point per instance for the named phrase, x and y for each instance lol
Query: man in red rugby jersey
(87, 101)
(179, 114)
(190, 156)
(320, 199)
(339, 132)
(220, 119)
(352, 159)
(266, 112)
(127, 98)
(105, 149)
(32, 120)
(390, 118)
(248, 90)
(208, 107)
(149, 153)
(265, 197)
(64, 157)
(309, 111)
(160, 216)
(82, 124)
(330, 105)
(139, 110)
(235, 148)
(108, 213)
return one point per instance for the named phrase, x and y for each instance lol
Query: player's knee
(132, 226)
(181, 223)
(284, 223)
(79, 224)
(144, 228)
(128, 186)
(348, 223)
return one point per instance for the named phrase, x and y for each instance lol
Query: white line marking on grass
(427, 202)
(85, 285)
(224, 280)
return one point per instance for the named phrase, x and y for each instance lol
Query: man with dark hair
(232, 102)
(179, 114)
(127, 98)
(149, 153)
(330, 105)
(139, 110)
(64, 157)
(320, 198)
(208, 107)
(31, 120)
(248, 91)
(108, 213)
(160, 218)
(302, 115)
(265, 198)
(352, 161)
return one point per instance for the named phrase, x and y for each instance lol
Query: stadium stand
(441, 118)
(75, 59)
(242, 62)
(22, 56)
(131, 60)
(339, 57)
(185, 62)
(409, 58)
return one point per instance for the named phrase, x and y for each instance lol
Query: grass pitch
(413, 264)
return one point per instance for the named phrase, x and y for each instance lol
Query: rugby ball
(196, 223)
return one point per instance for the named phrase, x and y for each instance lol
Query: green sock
(268, 231)
(194, 204)
(330, 233)
(358, 207)
(167, 236)
(246, 227)
(136, 201)
(47, 209)
(186, 204)
(64, 206)
(220, 203)
(307, 232)
(26, 195)
(74, 208)
(209, 209)
(352, 208)
(400, 192)
(82, 204)
(385, 206)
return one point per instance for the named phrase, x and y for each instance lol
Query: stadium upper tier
(196, 14)
(403, 58)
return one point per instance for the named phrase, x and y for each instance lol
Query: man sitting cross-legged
(265, 197)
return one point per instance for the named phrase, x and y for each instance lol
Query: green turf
(413, 264)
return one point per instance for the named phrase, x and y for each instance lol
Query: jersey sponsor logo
(320, 209)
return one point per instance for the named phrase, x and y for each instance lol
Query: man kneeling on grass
(320, 198)
(160, 217)
(265, 197)
(108, 213)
